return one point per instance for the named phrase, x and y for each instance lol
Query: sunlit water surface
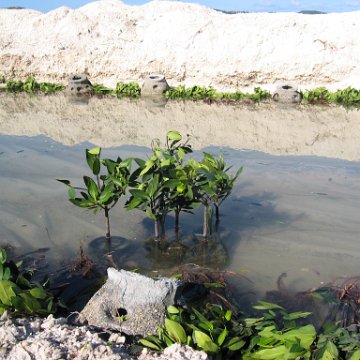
(295, 214)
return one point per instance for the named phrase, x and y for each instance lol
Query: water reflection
(274, 129)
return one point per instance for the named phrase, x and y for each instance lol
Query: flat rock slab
(130, 302)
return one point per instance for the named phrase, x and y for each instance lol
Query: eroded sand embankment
(293, 130)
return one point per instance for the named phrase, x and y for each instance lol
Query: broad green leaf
(228, 315)
(134, 202)
(83, 203)
(95, 151)
(204, 341)
(150, 344)
(172, 309)
(221, 338)
(263, 305)
(30, 303)
(174, 135)
(176, 331)
(92, 159)
(275, 353)
(355, 355)
(38, 293)
(7, 292)
(92, 187)
(148, 165)
(106, 194)
(306, 335)
(2, 256)
(235, 343)
(328, 352)
(296, 315)
(71, 192)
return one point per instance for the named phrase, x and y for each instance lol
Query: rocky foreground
(191, 44)
(55, 339)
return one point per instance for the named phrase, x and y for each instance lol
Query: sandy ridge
(191, 44)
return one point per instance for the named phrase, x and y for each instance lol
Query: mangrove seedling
(222, 182)
(103, 192)
(156, 194)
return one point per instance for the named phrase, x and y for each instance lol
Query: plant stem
(156, 230)
(162, 225)
(177, 216)
(205, 226)
(107, 218)
(217, 212)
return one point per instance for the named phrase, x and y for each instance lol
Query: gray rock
(154, 85)
(130, 302)
(287, 94)
(79, 84)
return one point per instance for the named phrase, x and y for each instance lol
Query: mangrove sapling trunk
(162, 227)
(205, 225)
(107, 219)
(217, 213)
(156, 230)
(177, 217)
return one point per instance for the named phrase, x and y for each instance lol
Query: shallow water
(287, 214)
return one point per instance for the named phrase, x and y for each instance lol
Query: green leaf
(150, 344)
(221, 338)
(267, 306)
(174, 136)
(172, 309)
(92, 158)
(38, 293)
(355, 355)
(71, 192)
(106, 194)
(2, 256)
(306, 335)
(296, 315)
(176, 331)
(328, 352)
(235, 343)
(7, 292)
(228, 315)
(204, 341)
(30, 303)
(92, 187)
(275, 353)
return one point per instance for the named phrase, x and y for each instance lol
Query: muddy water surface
(291, 211)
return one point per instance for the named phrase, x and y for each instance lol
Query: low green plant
(259, 95)
(209, 93)
(218, 332)
(274, 335)
(30, 85)
(19, 294)
(2, 79)
(131, 89)
(99, 89)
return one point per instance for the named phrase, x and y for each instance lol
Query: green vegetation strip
(273, 335)
(349, 97)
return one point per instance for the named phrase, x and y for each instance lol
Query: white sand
(189, 43)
